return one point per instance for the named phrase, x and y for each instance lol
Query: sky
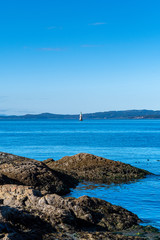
(71, 56)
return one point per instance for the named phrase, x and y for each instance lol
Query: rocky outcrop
(30, 209)
(29, 172)
(89, 167)
(26, 214)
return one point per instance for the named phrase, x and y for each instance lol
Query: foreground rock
(29, 172)
(26, 214)
(89, 167)
(30, 209)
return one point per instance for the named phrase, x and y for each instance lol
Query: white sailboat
(80, 117)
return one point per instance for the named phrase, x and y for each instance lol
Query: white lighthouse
(80, 117)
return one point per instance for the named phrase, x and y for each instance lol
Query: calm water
(136, 142)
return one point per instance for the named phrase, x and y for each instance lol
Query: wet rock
(29, 172)
(89, 167)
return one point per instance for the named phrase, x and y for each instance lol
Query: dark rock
(89, 167)
(48, 160)
(26, 214)
(29, 209)
(90, 236)
(26, 208)
(29, 172)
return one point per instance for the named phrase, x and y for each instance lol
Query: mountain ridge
(123, 114)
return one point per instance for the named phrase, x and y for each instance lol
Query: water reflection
(92, 186)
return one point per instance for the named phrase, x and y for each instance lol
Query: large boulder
(26, 214)
(89, 167)
(24, 171)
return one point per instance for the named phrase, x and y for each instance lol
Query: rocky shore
(24, 171)
(32, 205)
(92, 168)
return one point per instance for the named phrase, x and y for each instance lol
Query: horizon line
(71, 114)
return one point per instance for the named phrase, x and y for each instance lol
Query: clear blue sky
(67, 56)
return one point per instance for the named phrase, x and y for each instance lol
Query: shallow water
(136, 142)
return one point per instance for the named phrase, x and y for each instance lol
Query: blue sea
(136, 142)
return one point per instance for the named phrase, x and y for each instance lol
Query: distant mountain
(39, 116)
(128, 114)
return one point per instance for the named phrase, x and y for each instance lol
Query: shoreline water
(130, 141)
(30, 192)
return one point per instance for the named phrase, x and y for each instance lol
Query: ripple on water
(132, 196)
(136, 142)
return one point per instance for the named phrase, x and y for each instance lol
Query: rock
(48, 160)
(90, 236)
(89, 167)
(27, 212)
(29, 172)
(30, 209)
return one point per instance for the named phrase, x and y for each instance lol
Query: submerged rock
(26, 214)
(89, 167)
(24, 171)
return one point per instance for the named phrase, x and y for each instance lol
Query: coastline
(71, 218)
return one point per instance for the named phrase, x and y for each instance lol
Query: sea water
(136, 142)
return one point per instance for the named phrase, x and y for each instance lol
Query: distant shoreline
(109, 115)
